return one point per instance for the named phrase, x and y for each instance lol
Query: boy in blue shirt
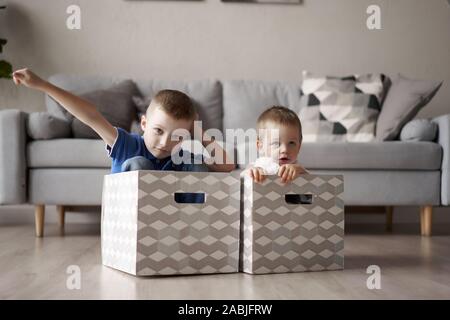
(169, 111)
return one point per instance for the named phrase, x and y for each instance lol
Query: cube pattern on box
(145, 231)
(277, 236)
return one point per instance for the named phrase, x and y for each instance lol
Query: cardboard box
(282, 232)
(145, 231)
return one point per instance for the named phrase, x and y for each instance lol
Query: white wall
(211, 39)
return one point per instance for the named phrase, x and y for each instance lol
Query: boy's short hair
(175, 103)
(280, 115)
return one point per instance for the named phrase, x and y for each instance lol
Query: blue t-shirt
(129, 145)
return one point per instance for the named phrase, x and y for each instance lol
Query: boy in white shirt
(279, 142)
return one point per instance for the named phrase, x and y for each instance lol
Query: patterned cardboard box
(282, 232)
(145, 231)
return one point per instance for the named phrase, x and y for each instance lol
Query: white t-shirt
(269, 165)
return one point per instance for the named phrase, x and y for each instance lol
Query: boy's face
(159, 132)
(281, 143)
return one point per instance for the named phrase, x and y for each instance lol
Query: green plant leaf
(2, 43)
(5, 69)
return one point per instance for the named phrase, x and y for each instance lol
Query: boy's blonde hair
(175, 103)
(280, 115)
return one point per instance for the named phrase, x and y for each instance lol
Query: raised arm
(83, 110)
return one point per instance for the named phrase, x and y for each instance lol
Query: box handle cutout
(298, 198)
(190, 197)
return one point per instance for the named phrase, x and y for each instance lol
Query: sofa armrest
(443, 139)
(13, 171)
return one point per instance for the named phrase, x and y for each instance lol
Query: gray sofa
(69, 172)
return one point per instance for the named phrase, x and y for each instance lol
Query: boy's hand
(289, 172)
(27, 78)
(257, 174)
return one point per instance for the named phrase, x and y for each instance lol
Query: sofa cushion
(394, 155)
(114, 103)
(68, 153)
(74, 187)
(419, 130)
(206, 94)
(245, 100)
(340, 108)
(388, 188)
(404, 100)
(43, 125)
(92, 86)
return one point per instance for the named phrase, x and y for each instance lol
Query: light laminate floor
(412, 267)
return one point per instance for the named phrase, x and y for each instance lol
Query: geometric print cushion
(342, 109)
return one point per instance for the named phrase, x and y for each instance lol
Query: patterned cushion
(341, 109)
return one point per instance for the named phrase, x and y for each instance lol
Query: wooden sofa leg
(61, 216)
(426, 214)
(39, 216)
(389, 217)
(421, 220)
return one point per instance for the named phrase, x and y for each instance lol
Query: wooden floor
(412, 267)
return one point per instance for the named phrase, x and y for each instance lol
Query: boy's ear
(191, 130)
(143, 122)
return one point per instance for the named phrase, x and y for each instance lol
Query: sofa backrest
(206, 93)
(232, 104)
(245, 100)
